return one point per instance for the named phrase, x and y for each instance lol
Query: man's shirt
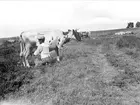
(43, 50)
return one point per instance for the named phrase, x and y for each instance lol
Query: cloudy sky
(20, 15)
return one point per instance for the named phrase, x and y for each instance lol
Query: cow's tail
(21, 44)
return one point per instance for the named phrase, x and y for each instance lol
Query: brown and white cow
(55, 39)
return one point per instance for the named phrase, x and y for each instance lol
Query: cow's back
(31, 36)
(53, 35)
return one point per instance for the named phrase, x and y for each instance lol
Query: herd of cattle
(55, 38)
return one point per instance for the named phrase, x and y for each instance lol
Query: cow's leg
(22, 57)
(57, 53)
(23, 54)
(27, 52)
(21, 49)
(23, 61)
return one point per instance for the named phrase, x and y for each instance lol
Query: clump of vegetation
(12, 76)
(129, 42)
(130, 25)
(122, 56)
(130, 45)
(137, 24)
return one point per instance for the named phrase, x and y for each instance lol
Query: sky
(85, 15)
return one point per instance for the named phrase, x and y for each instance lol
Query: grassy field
(100, 71)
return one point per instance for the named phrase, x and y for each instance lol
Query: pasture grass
(101, 71)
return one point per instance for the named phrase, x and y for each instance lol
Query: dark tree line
(131, 25)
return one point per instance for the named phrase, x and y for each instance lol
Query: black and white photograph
(69, 52)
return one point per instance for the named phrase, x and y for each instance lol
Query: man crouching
(43, 51)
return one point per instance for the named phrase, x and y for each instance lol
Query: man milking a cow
(42, 53)
(46, 41)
